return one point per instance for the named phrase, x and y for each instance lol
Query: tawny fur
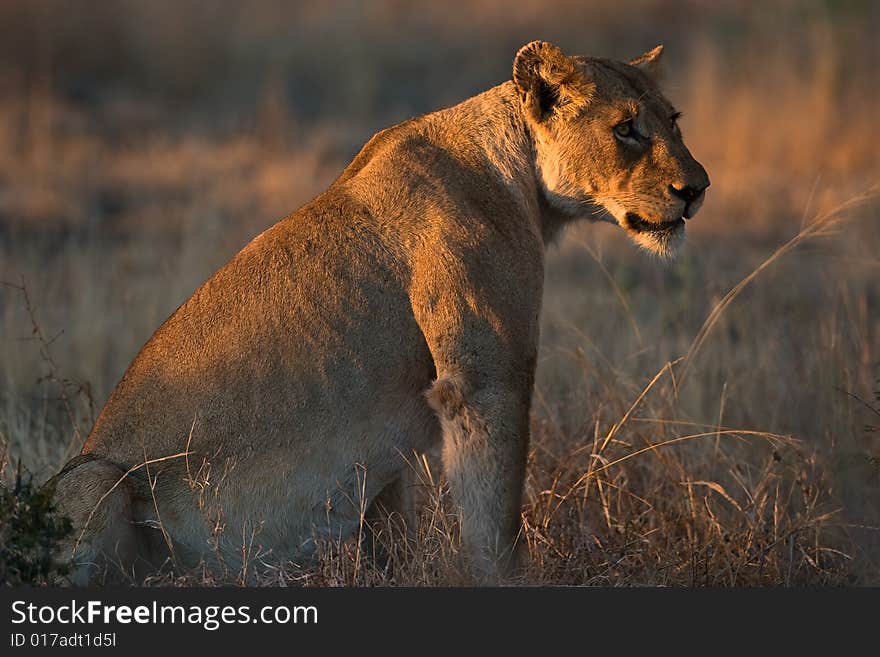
(396, 312)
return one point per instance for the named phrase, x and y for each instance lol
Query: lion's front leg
(476, 295)
(485, 441)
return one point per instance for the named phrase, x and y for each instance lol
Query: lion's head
(607, 139)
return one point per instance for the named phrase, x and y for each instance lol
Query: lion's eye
(624, 129)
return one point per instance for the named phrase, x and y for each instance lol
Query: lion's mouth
(635, 223)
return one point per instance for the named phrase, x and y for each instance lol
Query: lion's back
(311, 317)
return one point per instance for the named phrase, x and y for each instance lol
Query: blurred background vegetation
(143, 143)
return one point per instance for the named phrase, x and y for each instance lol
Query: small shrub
(29, 534)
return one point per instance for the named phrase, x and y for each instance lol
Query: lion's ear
(650, 62)
(549, 82)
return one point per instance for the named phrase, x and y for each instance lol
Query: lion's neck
(491, 127)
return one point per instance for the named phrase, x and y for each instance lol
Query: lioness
(396, 311)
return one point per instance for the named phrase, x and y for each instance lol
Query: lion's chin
(661, 238)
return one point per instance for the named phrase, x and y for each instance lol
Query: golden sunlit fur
(395, 312)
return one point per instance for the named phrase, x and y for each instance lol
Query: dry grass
(702, 423)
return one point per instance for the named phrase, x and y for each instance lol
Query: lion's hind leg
(390, 520)
(98, 496)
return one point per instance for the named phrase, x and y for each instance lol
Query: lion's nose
(688, 193)
(692, 195)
